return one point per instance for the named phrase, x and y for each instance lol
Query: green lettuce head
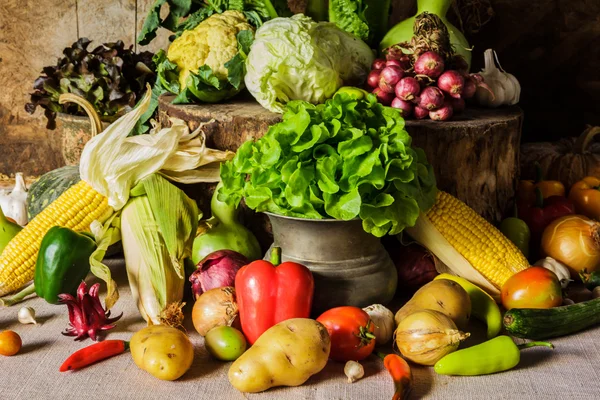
(348, 158)
(299, 59)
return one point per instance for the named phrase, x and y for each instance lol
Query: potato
(442, 295)
(164, 352)
(287, 354)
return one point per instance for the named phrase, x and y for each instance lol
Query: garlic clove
(26, 315)
(354, 371)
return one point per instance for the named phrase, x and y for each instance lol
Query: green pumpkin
(49, 187)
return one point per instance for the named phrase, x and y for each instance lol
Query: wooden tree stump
(475, 156)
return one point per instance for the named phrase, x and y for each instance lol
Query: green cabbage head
(299, 59)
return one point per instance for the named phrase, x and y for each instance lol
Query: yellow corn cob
(76, 208)
(480, 243)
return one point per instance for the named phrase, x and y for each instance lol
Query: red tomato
(351, 332)
(535, 287)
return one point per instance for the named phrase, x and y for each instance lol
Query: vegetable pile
(348, 158)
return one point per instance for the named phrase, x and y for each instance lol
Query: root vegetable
(452, 83)
(389, 77)
(378, 64)
(431, 98)
(430, 64)
(405, 106)
(354, 371)
(383, 320)
(421, 113)
(407, 89)
(216, 307)
(373, 78)
(383, 97)
(443, 113)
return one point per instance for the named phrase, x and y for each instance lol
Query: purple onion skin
(430, 64)
(379, 63)
(443, 113)
(383, 97)
(458, 105)
(218, 269)
(404, 106)
(394, 63)
(407, 89)
(421, 113)
(389, 77)
(431, 98)
(373, 78)
(452, 83)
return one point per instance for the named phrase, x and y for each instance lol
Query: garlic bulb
(505, 86)
(560, 269)
(383, 319)
(14, 205)
(354, 371)
(26, 315)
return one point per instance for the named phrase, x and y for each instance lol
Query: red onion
(443, 113)
(216, 270)
(405, 106)
(383, 97)
(415, 265)
(394, 63)
(389, 77)
(408, 88)
(431, 98)
(373, 78)
(421, 113)
(430, 64)
(452, 83)
(458, 105)
(379, 63)
(470, 88)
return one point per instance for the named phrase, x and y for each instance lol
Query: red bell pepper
(270, 292)
(544, 211)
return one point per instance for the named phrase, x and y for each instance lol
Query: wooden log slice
(475, 156)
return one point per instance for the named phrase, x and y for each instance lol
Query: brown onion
(215, 307)
(573, 240)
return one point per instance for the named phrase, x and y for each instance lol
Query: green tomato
(225, 343)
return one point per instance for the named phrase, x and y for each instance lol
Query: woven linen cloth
(568, 372)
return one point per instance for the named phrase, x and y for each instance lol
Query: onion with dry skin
(573, 240)
(424, 337)
(215, 307)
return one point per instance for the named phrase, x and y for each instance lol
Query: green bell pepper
(225, 232)
(517, 231)
(63, 262)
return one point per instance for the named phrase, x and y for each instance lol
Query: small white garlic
(354, 371)
(383, 319)
(596, 292)
(505, 87)
(560, 269)
(14, 205)
(27, 315)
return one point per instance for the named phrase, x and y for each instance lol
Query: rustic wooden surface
(474, 156)
(548, 44)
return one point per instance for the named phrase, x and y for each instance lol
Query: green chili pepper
(63, 262)
(517, 231)
(496, 355)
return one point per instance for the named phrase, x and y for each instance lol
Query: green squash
(49, 187)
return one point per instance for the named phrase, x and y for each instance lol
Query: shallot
(431, 98)
(430, 64)
(383, 97)
(405, 106)
(420, 112)
(443, 113)
(373, 78)
(393, 63)
(458, 105)
(469, 88)
(378, 64)
(452, 83)
(389, 77)
(26, 315)
(354, 371)
(407, 89)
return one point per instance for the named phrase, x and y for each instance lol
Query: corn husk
(158, 226)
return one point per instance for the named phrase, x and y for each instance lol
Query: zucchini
(590, 279)
(532, 323)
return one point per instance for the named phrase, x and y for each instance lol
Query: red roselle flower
(86, 315)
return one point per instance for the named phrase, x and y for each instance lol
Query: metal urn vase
(349, 265)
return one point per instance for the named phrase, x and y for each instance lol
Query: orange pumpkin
(569, 160)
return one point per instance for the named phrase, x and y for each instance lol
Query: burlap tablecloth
(568, 372)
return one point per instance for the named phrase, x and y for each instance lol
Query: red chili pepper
(96, 352)
(401, 374)
(268, 293)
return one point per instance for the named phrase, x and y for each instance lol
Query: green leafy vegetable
(187, 14)
(344, 159)
(111, 77)
(366, 19)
